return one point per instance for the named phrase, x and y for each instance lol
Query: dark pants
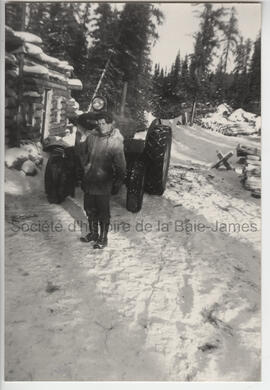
(97, 207)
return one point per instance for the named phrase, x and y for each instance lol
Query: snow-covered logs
(251, 174)
(37, 90)
(233, 123)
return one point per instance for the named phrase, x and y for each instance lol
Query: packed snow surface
(163, 301)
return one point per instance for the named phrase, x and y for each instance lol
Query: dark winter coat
(104, 162)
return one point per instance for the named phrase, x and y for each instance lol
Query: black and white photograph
(132, 180)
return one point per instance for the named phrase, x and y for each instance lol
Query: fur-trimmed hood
(104, 160)
(115, 137)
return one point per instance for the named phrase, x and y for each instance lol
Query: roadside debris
(223, 160)
(207, 347)
(51, 288)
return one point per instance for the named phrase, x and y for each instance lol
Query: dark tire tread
(158, 141)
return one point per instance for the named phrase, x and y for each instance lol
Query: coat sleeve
(119, 164)
(82, 150)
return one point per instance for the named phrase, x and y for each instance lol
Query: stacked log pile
(251, 173)
(231, 123)
(29, 74)
(11, 100)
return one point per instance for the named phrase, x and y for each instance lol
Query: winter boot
(102, 241)
(93, 232)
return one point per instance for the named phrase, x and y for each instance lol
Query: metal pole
(123, 102)
(193, 112)
(100, 81)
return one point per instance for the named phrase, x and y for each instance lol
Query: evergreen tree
(185, 80)
(137, 31)
(241, 80)
(63, 29)
(104, 35)
(206, 41)
(231, 34)
(255, 73)
(14, 14)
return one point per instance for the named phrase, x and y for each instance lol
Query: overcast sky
(180, 23)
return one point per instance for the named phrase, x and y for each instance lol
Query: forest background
(87, 35)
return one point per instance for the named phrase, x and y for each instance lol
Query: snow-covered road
(162, 302)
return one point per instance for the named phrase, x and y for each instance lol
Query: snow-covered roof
(29, 45)
(31, 94)
(36, 52)
(57, 75)
(48, 59)
(36, 69)
(29, 48)
(28, 37)
(65, 65)
(75, 84)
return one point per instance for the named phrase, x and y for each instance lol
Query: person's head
(105, 122)
(87, 121)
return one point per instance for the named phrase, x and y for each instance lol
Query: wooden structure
(38, 99)
(251, 173)
(223, 160)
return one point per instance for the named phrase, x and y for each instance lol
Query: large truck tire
(54, 179)
(157, 154)
(59, 176)
(135, 186)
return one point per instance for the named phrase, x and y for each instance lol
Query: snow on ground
(162, 302)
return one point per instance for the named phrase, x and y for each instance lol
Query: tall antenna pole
(100, 80)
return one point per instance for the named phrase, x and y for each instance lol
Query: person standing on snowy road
(104, 172)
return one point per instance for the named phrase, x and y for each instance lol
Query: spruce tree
(255, 73)
(231, 36)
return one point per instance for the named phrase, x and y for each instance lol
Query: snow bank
(17, 185)
(224, 109)
(241, 115)
(34, 152)
(15, 157)
(29, 168)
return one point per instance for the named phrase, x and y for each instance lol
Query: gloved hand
(115, 188)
